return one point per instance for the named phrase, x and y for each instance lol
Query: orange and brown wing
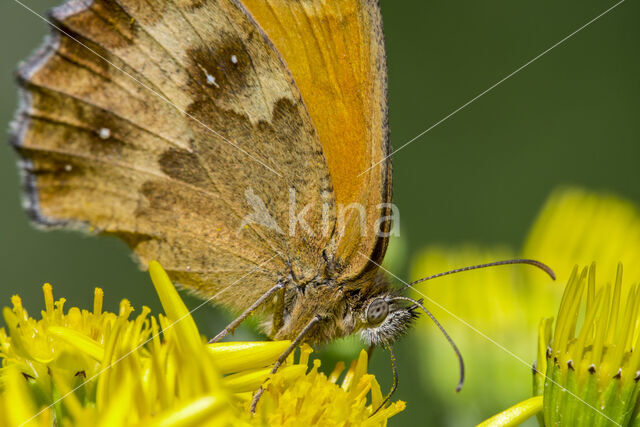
(335, 52)
(167, 123)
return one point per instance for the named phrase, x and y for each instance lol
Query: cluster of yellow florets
(99, 368)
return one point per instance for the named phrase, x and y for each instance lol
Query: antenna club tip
(550, 272)
(461, 382)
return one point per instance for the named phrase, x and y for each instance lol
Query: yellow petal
(516, 414)
(239, 356)
(383, 414)
(357, 369)
(117, 410)
(48, 297)
(22, 341)
(98, 297)
(251, 380)
(376, 394)
(79, 341)
(23, 408)
(174, 307)
(207, 409)
(337, 370)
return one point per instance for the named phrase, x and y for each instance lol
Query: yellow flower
(587, 370)
(297, 399)
(99, 368)
(506, 303)
(578, 227)
(500, 305)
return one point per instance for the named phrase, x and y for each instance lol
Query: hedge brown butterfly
(241, 143)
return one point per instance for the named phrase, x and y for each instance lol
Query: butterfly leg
(278, 312)
(296, 342)
(238, 320)
(395, 382)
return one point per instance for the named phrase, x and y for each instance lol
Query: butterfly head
(388, 315)
(386, 318)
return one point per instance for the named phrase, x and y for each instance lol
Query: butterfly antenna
(395, 382)
(533, 262)
(446, 335)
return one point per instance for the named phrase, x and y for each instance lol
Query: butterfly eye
(377, 311)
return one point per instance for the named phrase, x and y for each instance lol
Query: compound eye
(377, 311)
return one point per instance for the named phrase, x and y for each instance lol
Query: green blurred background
(571, 117)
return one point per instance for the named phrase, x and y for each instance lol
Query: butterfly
(243, 144)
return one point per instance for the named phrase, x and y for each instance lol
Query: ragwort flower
(506, 303)
(588, 366)
(99, 368)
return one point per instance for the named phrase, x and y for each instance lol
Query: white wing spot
(104, 133)
(68, 167)
(234, 59)
(211, 80)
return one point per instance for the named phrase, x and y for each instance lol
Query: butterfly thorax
(344, 309)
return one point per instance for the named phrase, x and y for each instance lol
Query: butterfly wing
(176, 126)
(335, 52)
